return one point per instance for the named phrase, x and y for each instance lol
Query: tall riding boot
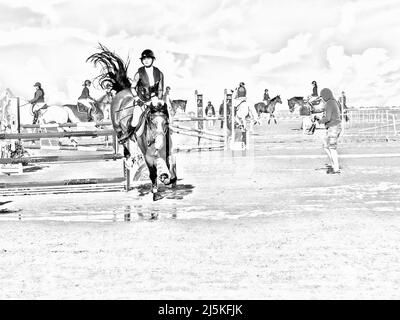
(35, 117)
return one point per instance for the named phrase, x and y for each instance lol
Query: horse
(261, 107)
(245, 110)
(50, 114)
(152, 134)
(306, 111)
(79, 113)
(178, 104)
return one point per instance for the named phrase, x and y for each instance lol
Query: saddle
(82, 108)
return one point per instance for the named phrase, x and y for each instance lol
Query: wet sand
(268, 223)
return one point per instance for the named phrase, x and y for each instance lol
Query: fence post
(18, 118)
(199, 101)
(225, 121)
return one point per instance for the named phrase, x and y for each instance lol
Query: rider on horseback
(314, 99)
(147, 87)
(266, 98)
(85, 99)
(37, 102)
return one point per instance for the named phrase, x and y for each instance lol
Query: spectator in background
(210, 112)
(167, 99)
(343, 106)
(331, 120)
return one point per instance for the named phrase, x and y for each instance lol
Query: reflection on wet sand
(177, 193)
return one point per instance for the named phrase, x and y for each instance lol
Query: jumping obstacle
(39, 135)
(65, 125)
(74, 158)
(70, 148)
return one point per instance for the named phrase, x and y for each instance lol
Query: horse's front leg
(154, 187)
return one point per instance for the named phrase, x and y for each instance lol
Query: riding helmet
(87, 82)
(37, 84)
(147, 54)
(314, 82)
(241, 84)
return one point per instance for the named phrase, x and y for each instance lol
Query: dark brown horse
(152, 132)
(261, 107)
(178, 104)
(79, 113)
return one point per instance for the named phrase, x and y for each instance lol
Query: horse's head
(291, 104)
(157, 121)
(278, 99)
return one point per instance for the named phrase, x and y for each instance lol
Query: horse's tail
(114, 70)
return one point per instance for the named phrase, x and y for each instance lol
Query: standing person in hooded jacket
(331, 120)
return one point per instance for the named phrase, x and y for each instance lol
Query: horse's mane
(113, 69)
(297, 98)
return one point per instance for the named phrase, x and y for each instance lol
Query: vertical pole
(18, 118)
(225, 121)
(127, 171)
(232, 119)
(387, 122)
(343, 119)
(199, 100)
(114, 142)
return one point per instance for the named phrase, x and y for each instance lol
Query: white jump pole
(226, 133)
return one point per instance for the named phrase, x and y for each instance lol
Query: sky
(208, 45)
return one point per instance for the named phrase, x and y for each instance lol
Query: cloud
(207, 45)
(296, 48)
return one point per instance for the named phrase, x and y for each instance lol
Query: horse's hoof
(157, 196)
(164, 179)
(172, 182)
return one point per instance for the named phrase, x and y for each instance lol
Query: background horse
(261, 107)
(152, 132)
(306, 112)
(77, 113)
(243, 111)
(178, 104)
(51, 114)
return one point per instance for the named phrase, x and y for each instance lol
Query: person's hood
(326, 94)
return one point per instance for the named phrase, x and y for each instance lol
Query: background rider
(85, 98)
(37, 101)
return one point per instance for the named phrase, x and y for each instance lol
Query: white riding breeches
(38, 106)
(87, 103)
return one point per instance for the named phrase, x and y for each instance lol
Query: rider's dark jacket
(210, 107)
(85, 93)
(314, 91)
(143, 88)
(266, 97)
(39, 96)
(241, 92)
